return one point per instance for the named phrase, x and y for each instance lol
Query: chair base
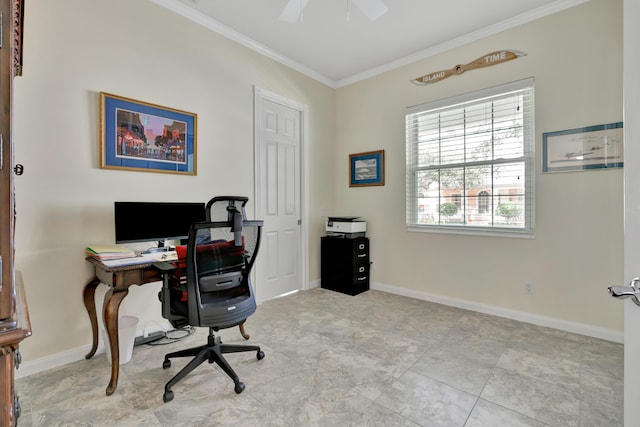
(212, 352)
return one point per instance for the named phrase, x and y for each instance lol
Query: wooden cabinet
(345, 264)
(14, 318)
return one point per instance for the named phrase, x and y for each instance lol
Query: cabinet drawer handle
(361, 246)
(362, 278)
(361, 270)
(362, 255)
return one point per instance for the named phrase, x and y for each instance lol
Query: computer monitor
(155, 221)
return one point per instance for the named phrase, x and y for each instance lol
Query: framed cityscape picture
(366, 169)
(140, 136)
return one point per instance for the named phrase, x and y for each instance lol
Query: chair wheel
(260, 355)
(167, 396)
(239, 387)
(166, 364)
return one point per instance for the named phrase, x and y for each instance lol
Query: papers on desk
(119, 256)
(107, 252)
(168, 256)
(136, 259)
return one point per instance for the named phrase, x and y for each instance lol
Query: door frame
(260, 94)
(631, 100)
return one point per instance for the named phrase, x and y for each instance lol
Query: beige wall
(575, 57)
(73, 50)
(76, 48)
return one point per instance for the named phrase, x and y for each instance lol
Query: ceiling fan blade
(373, 9)
(292, 10)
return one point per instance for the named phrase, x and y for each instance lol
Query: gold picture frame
(141, 136)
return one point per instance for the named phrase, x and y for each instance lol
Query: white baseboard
(55, 360)
(563, 325)
(59, 359)
(314, 284)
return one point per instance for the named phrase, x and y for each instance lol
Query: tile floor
(375, 359)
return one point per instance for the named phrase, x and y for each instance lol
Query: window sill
(469, 231)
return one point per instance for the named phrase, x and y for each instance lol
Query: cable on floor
(174, 335)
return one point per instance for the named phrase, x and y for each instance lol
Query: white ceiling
(328, 48)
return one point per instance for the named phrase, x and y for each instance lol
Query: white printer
(349, 227)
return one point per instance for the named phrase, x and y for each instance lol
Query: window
(457, 199)
(484, 202)
(470, 161)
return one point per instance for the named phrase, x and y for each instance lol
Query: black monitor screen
(155, 221)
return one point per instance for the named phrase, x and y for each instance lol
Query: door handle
(630, 291)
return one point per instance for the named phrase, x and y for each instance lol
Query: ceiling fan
(373, 9)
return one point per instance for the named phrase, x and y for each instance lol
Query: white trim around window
(470, 162)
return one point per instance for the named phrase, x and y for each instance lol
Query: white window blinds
(470, 161)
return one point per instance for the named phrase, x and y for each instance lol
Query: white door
(279, 143)
(631, 91)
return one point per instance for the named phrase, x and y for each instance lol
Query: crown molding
(207, 22)
(518, 20)
(216, 26)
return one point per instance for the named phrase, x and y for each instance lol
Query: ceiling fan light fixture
(372, 9)
(292, 11)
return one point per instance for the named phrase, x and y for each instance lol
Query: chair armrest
(165, 267)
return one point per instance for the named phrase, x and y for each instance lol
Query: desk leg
(245, 335)
(112, 302)
(90, 303)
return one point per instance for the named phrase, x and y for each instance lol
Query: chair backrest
(218, 273)
(221, 208)
(231, 209)
(211, 285)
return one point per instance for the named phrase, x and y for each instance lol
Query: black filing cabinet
(345, 264)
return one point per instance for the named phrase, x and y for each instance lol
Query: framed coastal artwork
(366, 169)
(592, 147)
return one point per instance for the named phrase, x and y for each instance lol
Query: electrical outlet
(528, 288)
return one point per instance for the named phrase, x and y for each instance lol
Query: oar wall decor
(493, 58)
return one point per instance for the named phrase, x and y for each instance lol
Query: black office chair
(211, 287)
(221, 208)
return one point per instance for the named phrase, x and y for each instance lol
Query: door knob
(630, 291)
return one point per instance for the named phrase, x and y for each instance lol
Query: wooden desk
(118, 279)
